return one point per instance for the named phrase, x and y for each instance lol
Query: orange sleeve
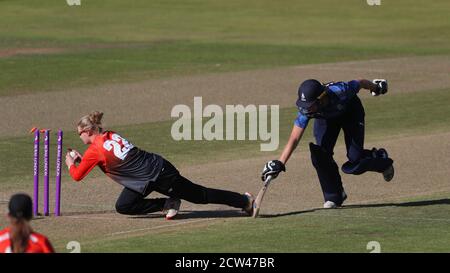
(91, 158)
(47, 246)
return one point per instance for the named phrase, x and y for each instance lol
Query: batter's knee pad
(377, 161)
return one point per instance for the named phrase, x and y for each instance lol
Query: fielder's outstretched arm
(294, 139)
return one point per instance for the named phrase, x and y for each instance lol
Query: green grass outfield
(118, 41)
(391, 116)
(411, 225)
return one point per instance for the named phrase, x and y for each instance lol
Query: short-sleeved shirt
(340, 95)
(37, 243)
(120, 160)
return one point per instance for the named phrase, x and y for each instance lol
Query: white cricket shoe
(250, 206)
(171, 207)
(329, 205)
(332, 205)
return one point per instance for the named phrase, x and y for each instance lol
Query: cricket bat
(259, 198)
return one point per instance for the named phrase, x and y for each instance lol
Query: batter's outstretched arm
(369, 85)
(294, 139)
(377, 86)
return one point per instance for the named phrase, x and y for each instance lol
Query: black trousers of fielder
(171, 183)
(360, 160)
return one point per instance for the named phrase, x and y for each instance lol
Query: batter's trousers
(360, 160)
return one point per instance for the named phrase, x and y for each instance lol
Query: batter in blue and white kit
(334, 106)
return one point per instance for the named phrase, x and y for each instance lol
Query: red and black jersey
(129, 166)
(37, 243)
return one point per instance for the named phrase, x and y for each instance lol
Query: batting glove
(382, 87)
(272, 168)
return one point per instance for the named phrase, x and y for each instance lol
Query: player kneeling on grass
(334, 106)
(140, 173)
(19, 237)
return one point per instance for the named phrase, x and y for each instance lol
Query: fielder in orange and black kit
(141, 173)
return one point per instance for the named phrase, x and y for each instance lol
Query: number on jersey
(119, 145)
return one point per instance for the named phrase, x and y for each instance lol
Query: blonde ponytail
(91, 122)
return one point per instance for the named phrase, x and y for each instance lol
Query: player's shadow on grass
(444, 201)
(79, 213)
(261, 215)
(183, 214)
(195, 214)
(40, 216)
